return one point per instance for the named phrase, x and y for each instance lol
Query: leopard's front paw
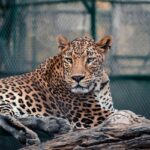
(58, 125)
(28, 137)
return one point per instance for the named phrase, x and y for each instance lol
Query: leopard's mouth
(78, 88)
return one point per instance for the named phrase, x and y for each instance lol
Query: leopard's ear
(105, 43)
(62, 43)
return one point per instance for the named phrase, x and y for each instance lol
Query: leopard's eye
(69, 60)
(91, 59)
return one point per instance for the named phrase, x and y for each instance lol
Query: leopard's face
(82, 61)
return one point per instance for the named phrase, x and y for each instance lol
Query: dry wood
(123, 130)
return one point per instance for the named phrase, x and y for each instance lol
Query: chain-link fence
(129, 60)
(129, 24)
(28, 29)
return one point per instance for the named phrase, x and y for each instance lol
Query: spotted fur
(56, 88)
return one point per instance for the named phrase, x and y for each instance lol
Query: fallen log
(123, 130)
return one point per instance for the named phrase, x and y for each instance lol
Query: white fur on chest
(104, 96)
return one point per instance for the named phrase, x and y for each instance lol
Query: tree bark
(123, 130)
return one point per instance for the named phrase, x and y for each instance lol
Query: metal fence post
(93, 18)
(91, 8)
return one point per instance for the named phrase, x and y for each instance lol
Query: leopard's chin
(82, 90)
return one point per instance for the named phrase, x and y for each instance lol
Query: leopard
(72, 85)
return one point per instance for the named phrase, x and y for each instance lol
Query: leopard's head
(82, 61)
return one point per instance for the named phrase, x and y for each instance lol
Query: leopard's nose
(78, 78)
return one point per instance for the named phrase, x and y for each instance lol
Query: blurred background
(28, 30)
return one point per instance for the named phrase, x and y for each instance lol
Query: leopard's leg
(49, 124)
(10, 124)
